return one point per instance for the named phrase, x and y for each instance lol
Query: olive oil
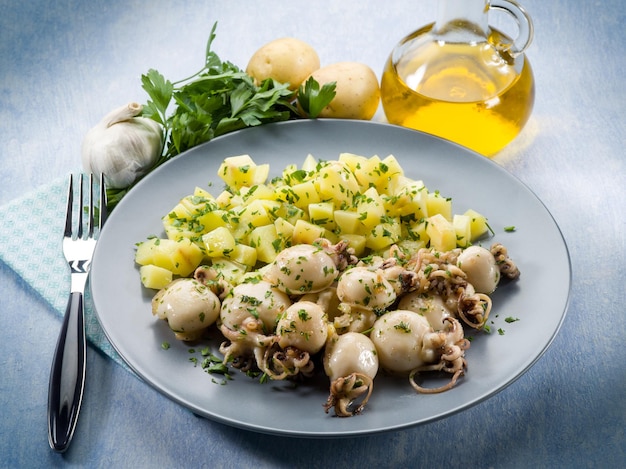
(470, 93)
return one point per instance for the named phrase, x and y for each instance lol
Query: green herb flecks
(213, 364)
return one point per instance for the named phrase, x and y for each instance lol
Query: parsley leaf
(160, 91)
(313, 99)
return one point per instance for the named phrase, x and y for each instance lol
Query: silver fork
(67, 375)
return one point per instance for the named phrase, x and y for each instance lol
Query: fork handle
(67, 375)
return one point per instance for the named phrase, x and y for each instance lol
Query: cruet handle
(524, 23)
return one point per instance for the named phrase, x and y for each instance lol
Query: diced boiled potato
(261, 174)
(478, 224)
(397, 183)
(356, 242)
(292, 175)
(240, 171)
(330, 236)
(305, 232)
(336, 183)
(383, 235)
(367, 173)
(381, 174)
(214, 219)
(179, 212)
(245, 218)
(436, 204)
(175, 224)
(284, 229)
(178, 231)
(393, 166)
(254, 214)
(410, 202)
(181, 257)
(186, 257)
(371, 208)
(303, 194)
(155, 277)
(411, 246)
(196, 204)
(227, 199)
(462, 228)
(352, 162)
(389, 170)
(144, 254)
(283, 194)
(309, 164)
(322, 214)
(441, 233)
(258, 192)
(230, 270)
(347, 221)
(244, 254)
(417, 232)
(200, 192)
(291, 213)
(266, 242)
(240, 231)
(219, 242)
(272, 207)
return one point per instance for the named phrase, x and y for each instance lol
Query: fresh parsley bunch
(221, 98)
(218, 99)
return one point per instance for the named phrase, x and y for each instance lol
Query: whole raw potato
(357, 90)
(286, 60)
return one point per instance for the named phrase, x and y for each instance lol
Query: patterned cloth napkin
(30, 243)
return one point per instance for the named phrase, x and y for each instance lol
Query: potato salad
(347, 266)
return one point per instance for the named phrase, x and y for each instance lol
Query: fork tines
(101, 207)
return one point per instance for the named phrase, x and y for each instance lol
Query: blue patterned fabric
(30, 243)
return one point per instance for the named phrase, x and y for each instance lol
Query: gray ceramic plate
(539, 299)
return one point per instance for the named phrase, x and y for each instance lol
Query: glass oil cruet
(462, 80)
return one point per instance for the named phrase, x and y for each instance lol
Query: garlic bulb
(123, 146)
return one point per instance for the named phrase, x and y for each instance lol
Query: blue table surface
(65, 64)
